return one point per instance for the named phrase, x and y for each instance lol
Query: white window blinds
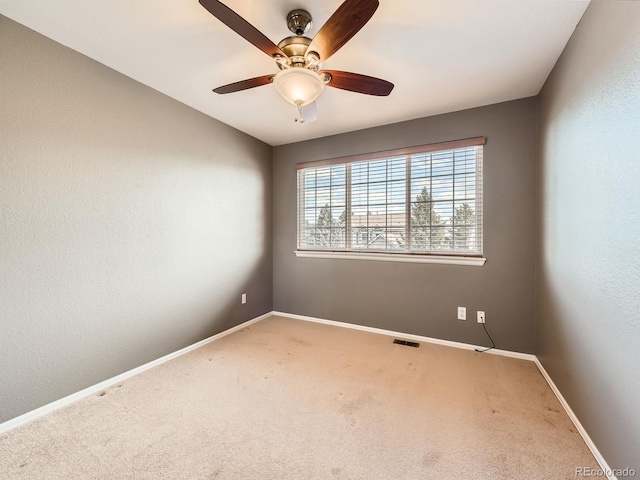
(422, 200)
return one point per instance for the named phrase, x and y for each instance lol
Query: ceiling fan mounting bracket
(299, 22)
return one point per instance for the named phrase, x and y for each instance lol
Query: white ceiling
(442, 55)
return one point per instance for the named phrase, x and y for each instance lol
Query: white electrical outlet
(244, 298)
(462, 313)
(481, 317)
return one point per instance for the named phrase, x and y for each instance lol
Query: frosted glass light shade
(298, 86)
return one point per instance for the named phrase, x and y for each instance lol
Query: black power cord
(493, 344)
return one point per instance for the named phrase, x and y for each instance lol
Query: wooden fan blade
(243, 28)
(244, 84)
(343, 24)
(354, 82)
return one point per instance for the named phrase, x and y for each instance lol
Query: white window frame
(435, 256)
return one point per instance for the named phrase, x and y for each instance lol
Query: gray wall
(423, 298)
(588, 326)
(121, 232)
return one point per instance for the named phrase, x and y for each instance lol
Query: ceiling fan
(301, 80)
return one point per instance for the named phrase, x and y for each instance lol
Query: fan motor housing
(295, 48)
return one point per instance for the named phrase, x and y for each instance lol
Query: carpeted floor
(288, 399)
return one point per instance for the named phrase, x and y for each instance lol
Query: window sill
(388, 257)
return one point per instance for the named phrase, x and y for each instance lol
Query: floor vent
(407, 343)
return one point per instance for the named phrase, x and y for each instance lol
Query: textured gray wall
(423, 298)
(588, 328)
(121, 223)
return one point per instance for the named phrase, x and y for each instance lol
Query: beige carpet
(287, 399)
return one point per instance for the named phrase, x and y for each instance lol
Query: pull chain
(299, 114)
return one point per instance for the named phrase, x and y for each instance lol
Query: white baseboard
(507, 353)
(74, 397)
(32, 415)
(583, 433)
(409, 336)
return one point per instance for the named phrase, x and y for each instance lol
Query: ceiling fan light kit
(298, 86)
(300, 81)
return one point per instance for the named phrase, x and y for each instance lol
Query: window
(421, 202)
